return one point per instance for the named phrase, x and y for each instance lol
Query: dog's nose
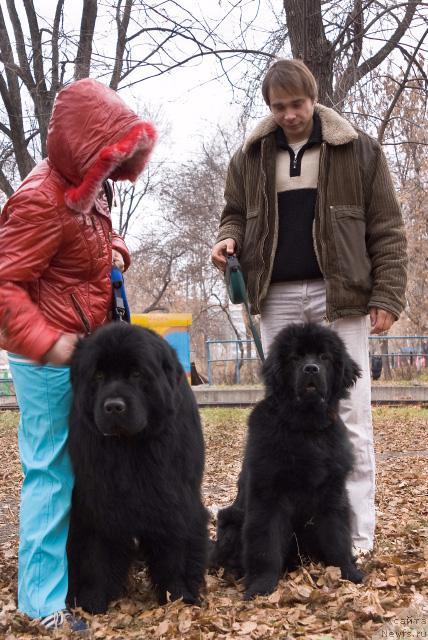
(311, 368)
(114, 405)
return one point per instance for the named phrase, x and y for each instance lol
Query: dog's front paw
(175, 593)
(189, 598)
(262, 586)
(351, 573)
(92, 601)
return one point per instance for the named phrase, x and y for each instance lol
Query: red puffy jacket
(56, 236)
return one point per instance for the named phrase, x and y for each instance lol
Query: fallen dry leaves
(310, 603)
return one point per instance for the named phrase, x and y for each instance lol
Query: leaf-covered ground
(311, 603)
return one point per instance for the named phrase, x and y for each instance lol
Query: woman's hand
(117, 260)
(62, 350)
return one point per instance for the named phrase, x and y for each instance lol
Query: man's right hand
(62, 350)
(221, 250)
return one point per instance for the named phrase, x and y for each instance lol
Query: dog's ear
(271, 373)
(172, 369)
(351, 371)
(167, 382)
(78, 363)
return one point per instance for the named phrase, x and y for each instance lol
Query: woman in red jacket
(56, 252)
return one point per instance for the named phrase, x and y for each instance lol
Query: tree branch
(55, 81)
(353, 75)
(5, 185)
(24, 68)
(36, 45)
(399, 90)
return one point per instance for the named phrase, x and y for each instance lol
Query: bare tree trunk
(122, 22)
(309, 42)
(306, 21)
(11, 96)
(87, 28)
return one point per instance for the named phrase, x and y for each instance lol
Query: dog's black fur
(137, 451)
(291, 501)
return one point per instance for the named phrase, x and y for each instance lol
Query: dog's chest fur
(300, 460)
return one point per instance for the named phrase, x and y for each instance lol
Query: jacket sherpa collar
(94, 135)
(335, 129)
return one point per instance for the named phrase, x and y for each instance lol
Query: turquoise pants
(44, 396)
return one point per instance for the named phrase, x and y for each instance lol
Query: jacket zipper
(80, 313)
(259, 294)
(319, 206)
(295, 161)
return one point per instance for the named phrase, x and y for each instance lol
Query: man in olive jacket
(312, 214)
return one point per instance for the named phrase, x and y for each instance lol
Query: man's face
(293, 113)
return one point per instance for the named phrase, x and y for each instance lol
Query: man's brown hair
(291, 75)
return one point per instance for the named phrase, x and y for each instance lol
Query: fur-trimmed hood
(335, 129)
(94, 135)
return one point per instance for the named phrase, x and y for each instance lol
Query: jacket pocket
(349, 230)
(251, 237)
(252, 213)
(80, 313)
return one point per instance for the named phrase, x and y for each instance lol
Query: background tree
(134, 203)
(179, 248)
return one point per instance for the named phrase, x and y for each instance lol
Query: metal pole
(207, 349)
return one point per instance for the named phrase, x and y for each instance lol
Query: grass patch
(222, 415)
(8, 421)
(386, 412)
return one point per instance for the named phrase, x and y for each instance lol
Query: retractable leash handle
(237, 291)
(235, 281)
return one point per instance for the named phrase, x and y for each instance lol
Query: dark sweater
(296, 182)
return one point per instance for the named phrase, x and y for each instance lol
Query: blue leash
(120, 303)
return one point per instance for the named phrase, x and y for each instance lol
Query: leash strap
(238, 295)
(120, 303)
(120, 308)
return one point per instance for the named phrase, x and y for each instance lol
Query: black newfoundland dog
(137, 451)
(292, 503)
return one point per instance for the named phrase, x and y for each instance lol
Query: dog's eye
(324, 356)
(98, 376)
(135, 374)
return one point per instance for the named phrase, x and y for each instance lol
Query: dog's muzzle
(311, 383)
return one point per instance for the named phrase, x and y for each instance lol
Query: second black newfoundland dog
(137, 451)
(292, 501)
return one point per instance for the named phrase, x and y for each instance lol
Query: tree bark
(87, 28)
(122, 22)
(11, 96)
(309, 43)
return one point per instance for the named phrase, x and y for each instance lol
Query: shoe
(64, 618)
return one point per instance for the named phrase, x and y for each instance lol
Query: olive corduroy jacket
(358, 231)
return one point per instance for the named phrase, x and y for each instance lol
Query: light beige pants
(304, 301)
